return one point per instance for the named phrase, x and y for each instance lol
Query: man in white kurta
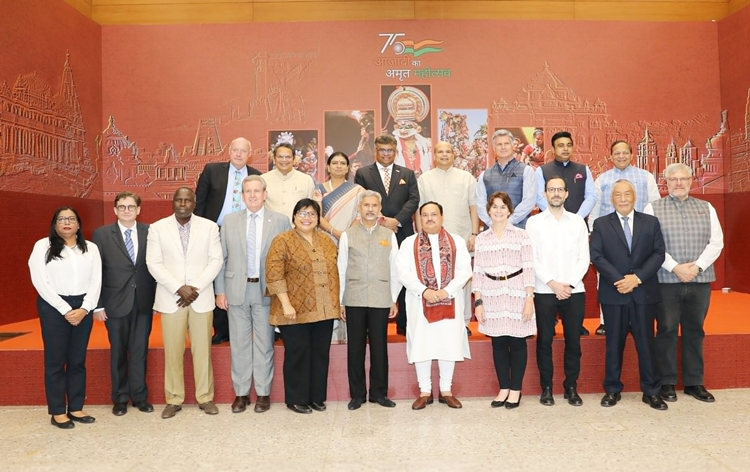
(444, 340)
(286, 185)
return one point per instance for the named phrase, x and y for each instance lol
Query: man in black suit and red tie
(627, 248)
(400, 198)
(218, 193)
(126, 302)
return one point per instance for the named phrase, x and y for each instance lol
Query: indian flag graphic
(417, 49)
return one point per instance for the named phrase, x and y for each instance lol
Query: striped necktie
(251, 235)
(129, 245)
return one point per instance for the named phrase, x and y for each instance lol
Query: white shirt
(455, 190)
(343, 263)
(713, 248)
(76, 273)
(630, 221)
(226, 208)
(382, 169)
(133, 235)
(258, 239)
(561, 250)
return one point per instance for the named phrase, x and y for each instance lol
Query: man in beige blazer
(241, 288)
(184, 256)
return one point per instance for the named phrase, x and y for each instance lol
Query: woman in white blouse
(66, 271)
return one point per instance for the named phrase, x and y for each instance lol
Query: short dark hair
(561, 134)
(283, 145)
(183, 188)
(337, 154)
(385, 139)
(126, 194)
(56, 242)
(503, 197)
(440, 207)
(559, 177)
(620, 141)
(304, 203)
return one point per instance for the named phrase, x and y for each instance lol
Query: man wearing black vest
(578, 179)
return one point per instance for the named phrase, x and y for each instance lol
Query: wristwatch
(478, 303)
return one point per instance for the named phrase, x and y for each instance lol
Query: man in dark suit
(126, 302)
(218, 193)
(627, 248)
(398, 188)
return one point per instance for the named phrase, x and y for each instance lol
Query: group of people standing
(276, 251)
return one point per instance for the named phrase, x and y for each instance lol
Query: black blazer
(212, 188)
(120, 277)
(402, 200)
(613, 260)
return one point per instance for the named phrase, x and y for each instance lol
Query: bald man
(455, 190)
(218, 193)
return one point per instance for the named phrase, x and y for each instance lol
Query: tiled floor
(629, 437)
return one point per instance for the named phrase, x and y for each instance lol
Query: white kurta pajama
(446, 339)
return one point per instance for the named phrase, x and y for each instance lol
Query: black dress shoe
(600, 331)
(219, 338)
(699, 392)
(510, 406)
(573, 398)
(144, 406)
(667, 393)
(304, 409)
(318, 406)
(119, 409)
(384, 401)
(498, 404)
(547, 399)
(82, 419)
(355, 404)
(584, 331)
(64, 425)
(655, 402)
(610, 399)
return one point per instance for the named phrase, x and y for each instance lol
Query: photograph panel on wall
(466, 130)
(405, 113)
(353, 133)
(305, 144)
(528, 144)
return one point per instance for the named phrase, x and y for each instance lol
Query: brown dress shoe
(262, 404)
(240, 403)
(421, 402)
(450, 400)
(209, 408)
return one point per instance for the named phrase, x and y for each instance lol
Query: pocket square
(402, 182)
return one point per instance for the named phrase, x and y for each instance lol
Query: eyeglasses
(67, 219)
(306, 214)
(386, 152)
(556, 190)
(682, 180)
(126, 207)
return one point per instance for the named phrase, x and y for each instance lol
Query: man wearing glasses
(286, 185)
(694, 240)
(400, 198)
(126, 302)
(644, 182)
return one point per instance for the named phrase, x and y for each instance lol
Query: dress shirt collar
(260, 212)
(124, 228)
(381, 168)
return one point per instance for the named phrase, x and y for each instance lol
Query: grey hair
(502, 132)
(254, 178)
(369, 193)
(676, 167)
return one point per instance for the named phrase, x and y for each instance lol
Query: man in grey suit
(126, 302)
(240, 288)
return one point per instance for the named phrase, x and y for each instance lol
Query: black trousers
(128, 340)
(401, 316)
(363, 324)
(306, 356)
(571, 311)
(64, 356)
(221, 323)
(639, 319)
(510, 355)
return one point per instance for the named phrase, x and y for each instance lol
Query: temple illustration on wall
(42, 137)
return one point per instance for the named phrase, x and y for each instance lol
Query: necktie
(387, 180)
(237, 192)
(628, 234)
(251, 234)
(129, 245)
